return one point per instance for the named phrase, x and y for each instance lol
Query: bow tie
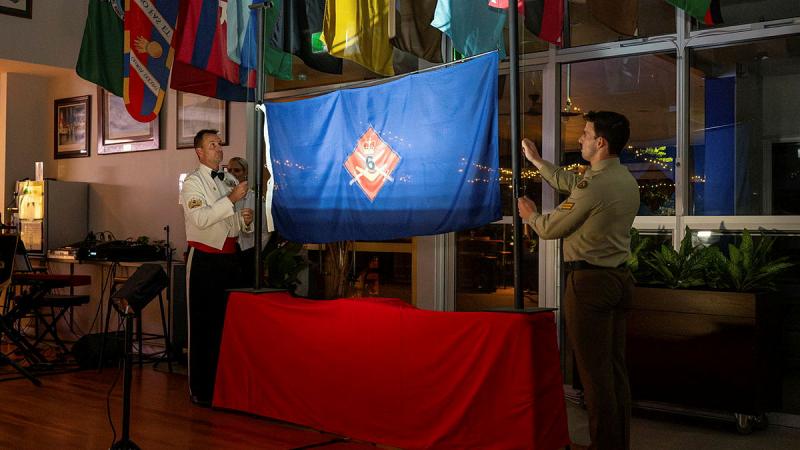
(220, 174)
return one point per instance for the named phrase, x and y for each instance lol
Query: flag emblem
(371, 163)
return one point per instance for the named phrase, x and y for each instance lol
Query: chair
(46, 308)
(8, 247)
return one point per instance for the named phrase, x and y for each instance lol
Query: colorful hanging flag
(621, 16)
(298, 31)
(204, 41)
(394, 160)
(414, 32)
(242, 42)
(149, 27)
(358, 30)
(474, 27)
(705, 11)
(187, 78)
(503, 4)
(545, 19)
(100, 59)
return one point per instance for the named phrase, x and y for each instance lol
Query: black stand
(125, 442)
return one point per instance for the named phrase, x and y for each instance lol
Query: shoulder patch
(195, 203)
(582, 184)
(566, 206)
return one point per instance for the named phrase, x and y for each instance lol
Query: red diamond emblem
(371, 164)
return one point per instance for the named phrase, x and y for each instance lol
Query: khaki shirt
(596, 219)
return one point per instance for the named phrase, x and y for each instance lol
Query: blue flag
(414, 156)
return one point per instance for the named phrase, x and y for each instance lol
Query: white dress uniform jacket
(209, 214)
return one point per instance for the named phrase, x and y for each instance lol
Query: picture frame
(195, 113)
(19, 8)
(121, 133)
(72, 127)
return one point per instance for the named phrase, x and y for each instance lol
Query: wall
(133, 194)
(52, 37)
(26, 135)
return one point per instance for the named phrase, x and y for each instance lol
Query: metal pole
(513, 52)
(259, 158)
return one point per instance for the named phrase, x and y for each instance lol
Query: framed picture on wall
(73, 127)
(195, 113)
(121, 133)
(21, 8)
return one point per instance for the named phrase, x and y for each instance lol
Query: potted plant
(283, 263)
(703, 330)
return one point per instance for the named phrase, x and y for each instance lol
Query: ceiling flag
(545, 18)
(204, 41)
(415, 34)
(474, 27)
(358, 30)
(705, 11)
(242, 39)
(148, 54)
(100, 59)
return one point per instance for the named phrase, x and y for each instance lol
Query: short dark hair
(613, 127)
(198, 138)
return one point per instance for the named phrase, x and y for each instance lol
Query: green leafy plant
(748, 267)
(685, 268)
(283, 264)
(639, 245)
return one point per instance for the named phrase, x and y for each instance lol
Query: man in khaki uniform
(595, 223)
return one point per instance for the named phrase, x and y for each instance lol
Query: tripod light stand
(125, 442)
(143, 286)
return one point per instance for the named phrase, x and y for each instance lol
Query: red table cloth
(383, 371)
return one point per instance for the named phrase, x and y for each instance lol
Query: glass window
(643, 88)
(745, 135)
(484, 256)
(485, 268)
(528, 42)
(738, 12)
(530, 101)
(382, 274)
(618, 21)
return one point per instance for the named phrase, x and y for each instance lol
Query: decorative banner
(414, 156)
(149, 28)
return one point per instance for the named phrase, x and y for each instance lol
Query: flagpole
(259, 157)
(513, 51)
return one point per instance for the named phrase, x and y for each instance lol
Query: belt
(229, 247)
(583, 265)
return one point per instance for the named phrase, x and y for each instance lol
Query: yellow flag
(358, 30)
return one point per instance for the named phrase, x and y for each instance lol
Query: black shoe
(201, 402)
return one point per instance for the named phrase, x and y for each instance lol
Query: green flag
(100, 59)
(695, 8)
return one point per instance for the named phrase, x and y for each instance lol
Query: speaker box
(143, 286)
(86, 350)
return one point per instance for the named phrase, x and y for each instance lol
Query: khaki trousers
(596, 302)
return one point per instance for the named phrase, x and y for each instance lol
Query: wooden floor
(69, 412)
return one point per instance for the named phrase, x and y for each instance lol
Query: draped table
(383, 371)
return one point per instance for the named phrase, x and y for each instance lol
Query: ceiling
(7, 65)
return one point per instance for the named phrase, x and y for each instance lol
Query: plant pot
(705, 349)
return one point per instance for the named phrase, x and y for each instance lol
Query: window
(619, 20)
(745, 135)
(643, 88)
(484, 256)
